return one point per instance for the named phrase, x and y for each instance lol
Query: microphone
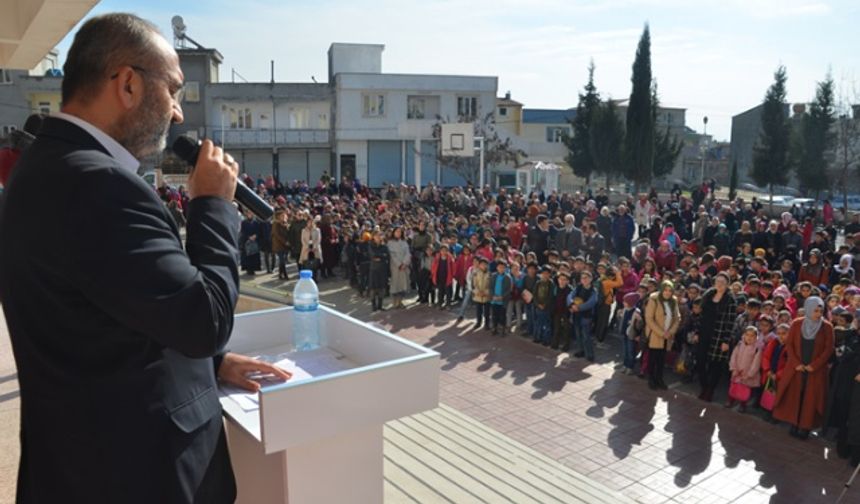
(188, 149)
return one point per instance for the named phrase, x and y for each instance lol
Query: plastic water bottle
(306, 302)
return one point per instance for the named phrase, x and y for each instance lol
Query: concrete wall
(354, 58)
(358, 148)
(21, 97)
(351, 124)
(746, 127)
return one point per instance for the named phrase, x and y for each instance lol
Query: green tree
(606, 141)
(667, 147)
(639, 139)
(578, 145)
(498, 150)
(733, 182)
(770, 154)
(815, 138)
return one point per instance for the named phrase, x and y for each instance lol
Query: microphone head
(187, 149)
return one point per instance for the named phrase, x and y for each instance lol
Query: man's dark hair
(101, 45)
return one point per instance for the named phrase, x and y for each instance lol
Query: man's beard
(143, 132)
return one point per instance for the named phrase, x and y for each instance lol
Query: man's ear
(128, 87)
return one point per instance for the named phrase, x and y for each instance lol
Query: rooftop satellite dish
(178, 27)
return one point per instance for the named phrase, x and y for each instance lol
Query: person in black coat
(250, 231)
(119, 334)
(378, 268)
(537, 239)
(843, 409)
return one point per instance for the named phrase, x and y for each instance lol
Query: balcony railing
(269, 138)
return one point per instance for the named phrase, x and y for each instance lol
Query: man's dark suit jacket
(114, 328)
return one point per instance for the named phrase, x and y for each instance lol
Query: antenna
(179, 35)
(178, 31)
(234, 74)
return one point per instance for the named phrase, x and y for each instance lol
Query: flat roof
(548, 116)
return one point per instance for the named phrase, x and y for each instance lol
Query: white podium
(318, 439)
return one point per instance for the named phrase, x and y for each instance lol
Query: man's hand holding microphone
(215, 173)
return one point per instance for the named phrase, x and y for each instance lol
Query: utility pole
(704, 148)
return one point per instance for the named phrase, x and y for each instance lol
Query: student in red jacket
(462, 263)
(442, 275)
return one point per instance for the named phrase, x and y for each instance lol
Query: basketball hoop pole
(481, 163)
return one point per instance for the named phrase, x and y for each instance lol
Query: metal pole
(223, 107)
(417, 153)
(704, 147)
(481, 164)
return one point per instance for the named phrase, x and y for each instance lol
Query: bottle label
(306, 307)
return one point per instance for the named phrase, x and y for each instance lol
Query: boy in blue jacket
(581, 302)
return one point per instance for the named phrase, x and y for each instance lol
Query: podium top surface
(360, 374)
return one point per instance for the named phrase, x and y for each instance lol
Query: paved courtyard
(652, 447)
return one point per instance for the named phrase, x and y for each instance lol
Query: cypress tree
(607, 141)
(579, 144)
(639, 139)
(770, 155)
(815, 139)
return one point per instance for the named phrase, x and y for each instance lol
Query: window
(467, 106)
(5, 76)
(422, 107)
(555, 134)
(669, 118)
(373, 105)
(299, 117)
(192, 92)
(240, 118)
(44, 108)
(503, 111)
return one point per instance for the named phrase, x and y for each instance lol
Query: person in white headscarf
(801, 395)
(845, 268)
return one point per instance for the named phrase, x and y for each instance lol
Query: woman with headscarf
(843, 269)
(802, 392)
(604, 227)
(329, 246)
(662, 319)
(813, 271)
(400, 261)
(785, 221)
(311, 241)
(719, 311)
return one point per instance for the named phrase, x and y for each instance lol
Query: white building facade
(383, 123)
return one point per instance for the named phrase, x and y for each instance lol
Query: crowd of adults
(763, 307)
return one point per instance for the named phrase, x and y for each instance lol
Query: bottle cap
(306, 274)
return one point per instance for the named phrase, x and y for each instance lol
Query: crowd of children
(716, 293)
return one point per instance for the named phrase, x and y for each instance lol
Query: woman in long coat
(311, 241)
(329, 238)
(401, 260)
(662, 319)
(801, 394)
(719, 311)
(378, 269)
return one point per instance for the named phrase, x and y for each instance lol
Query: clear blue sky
(713, 57)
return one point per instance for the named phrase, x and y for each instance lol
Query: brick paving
(655, 447)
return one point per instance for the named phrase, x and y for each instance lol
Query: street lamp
(704, 147)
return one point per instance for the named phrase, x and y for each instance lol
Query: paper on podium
(302, 365)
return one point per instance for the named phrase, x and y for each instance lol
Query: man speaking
(117, 331)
